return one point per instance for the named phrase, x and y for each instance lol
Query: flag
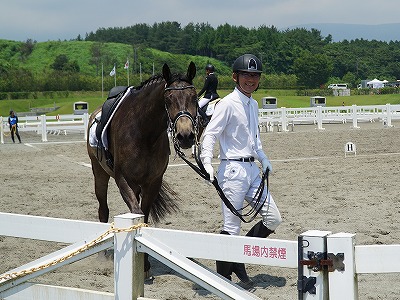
(112, 73)
(126, 65)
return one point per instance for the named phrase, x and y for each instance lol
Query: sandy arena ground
(313, 183)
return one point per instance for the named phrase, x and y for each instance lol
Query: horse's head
(181, 105)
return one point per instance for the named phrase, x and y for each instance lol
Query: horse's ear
(191, 72)
(166, 72)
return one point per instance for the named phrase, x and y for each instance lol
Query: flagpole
(115, 76)
(127, 68)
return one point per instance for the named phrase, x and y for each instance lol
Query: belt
(242, 159)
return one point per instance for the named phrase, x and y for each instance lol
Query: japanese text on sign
(267, 252)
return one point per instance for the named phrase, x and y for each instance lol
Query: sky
(44, 20)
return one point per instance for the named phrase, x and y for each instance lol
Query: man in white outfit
(235, 125)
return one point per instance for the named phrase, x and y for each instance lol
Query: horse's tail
(165, 203)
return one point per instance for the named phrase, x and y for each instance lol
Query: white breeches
(203, 101)
(239, 181)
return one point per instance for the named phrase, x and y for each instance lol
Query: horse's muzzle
(184, 129)
(186, 138)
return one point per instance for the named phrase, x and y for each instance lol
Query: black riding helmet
(210, 68)
(247, 63)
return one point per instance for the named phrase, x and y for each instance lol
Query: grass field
(285, 98)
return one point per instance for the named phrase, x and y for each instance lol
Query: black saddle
(114, 96)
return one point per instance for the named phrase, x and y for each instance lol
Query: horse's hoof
(107, 254)
(196, 287)
(148, 277)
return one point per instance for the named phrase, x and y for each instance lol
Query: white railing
(285, 117)
(328, 263)
(44, 125)
(170, 247)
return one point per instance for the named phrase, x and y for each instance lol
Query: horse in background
(208, 112)
(138, 143)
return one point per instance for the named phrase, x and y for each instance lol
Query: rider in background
(209, 90)
(13, 122)
(234, 124)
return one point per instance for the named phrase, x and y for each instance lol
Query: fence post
(354, 111)
(2, 130)
(44, 129)
(319, 117)
(127, 261)
(389, 115)
(284, 119)
(313, 278)
(343, 282)
(85, 124)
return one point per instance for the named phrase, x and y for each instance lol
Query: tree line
(314, 59)
(294, 58)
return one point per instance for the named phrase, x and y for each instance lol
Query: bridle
(183, 113)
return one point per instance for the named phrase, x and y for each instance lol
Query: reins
(199, 169)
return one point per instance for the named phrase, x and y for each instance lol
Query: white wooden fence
(328, 264)
(44, 125)
(284, 118)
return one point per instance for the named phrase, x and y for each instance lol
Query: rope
(82, 249)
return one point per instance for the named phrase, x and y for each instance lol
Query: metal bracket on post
(336, 262)
(312, 265)
(307, 284)
(318, 261)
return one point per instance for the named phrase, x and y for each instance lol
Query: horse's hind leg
(101, 179)
(149, 195)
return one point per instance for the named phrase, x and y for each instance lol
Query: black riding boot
(204, 117)
(259, 230)
(225, 268)
(240, 270)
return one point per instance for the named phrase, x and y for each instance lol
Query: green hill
(39, 57)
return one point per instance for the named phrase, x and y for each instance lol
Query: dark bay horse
(139, 145)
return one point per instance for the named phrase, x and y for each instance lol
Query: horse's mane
(179, 77)
(159, 78)
(153, 79)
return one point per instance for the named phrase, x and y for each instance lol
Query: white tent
(375, 84)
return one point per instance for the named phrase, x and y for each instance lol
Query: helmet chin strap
(239, 85)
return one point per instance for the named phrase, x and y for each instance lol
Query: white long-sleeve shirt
(235, 124)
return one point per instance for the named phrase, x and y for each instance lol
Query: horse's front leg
(101, 179)
(130, 196)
